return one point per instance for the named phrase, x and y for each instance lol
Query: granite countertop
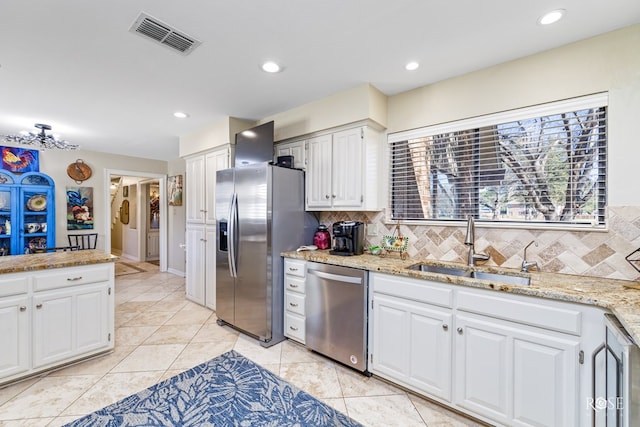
(33, 262)
(621, 297)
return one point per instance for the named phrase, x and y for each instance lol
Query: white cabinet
(413, 344)
(58, 316)
(201, 222)
(194, 193)
(294, 299)
(504, 358)
(15, 332)
(295, 149)
(343, 170)
(69, 322)
(410, 329)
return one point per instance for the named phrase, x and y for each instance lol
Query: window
(543, 164)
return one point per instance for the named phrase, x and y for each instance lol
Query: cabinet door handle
(293, 328)
(459, 331)
(74, 279)
(293, 269)
(292, 304)
(39, 306)
(23, 308)
(203, 240)
(445, 327)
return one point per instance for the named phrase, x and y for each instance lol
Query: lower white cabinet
(506, 359)
(15, 333)
(54, 317)
(294, 299)
(412, 343)
(516, 376)
(201, 265)
(69, 322)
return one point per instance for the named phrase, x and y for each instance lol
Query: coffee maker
(348, 238)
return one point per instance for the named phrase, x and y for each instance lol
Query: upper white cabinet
(295, 149)
(201, 184)
(343, 170)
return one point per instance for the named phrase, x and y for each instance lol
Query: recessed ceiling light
(180, 115)
(551, 17)
(271, 67)
(411, 66)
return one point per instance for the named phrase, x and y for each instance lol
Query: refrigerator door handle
(233, 224)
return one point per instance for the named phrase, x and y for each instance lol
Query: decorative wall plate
(37, 203)
(79, 171)
(395, 243)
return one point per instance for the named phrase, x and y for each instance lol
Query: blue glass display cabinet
(27, 212)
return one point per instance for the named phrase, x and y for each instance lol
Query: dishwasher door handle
(336, 277)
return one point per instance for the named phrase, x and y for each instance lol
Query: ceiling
(73, 64)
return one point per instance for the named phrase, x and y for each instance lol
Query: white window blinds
(543, 164)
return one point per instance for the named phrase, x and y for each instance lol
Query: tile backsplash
(589, 253)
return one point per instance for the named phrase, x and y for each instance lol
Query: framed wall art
(79, 208)
(174, 190)
(20, 160)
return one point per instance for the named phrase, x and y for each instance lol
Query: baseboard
(176, 272)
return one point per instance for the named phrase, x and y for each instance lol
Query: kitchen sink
(452, 271)
(506, 278)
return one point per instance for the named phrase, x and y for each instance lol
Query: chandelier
(41, 139)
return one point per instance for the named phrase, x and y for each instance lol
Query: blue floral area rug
(229, 390)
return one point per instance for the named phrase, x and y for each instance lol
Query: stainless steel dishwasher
(336, 313)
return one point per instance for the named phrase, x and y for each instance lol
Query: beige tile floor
(159, 334)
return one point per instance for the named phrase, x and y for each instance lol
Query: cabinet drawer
(294, 302)
(294, 327)
(413, 289)
(13, 285)
(73, 276)
(294, 267)
(294, 284)
(551, 315)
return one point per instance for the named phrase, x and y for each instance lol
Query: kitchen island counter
(618, 296)
(45, 261)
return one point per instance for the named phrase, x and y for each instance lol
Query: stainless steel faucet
(470, 241)
(526, 265)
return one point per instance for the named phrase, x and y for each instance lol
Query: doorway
(137, 219)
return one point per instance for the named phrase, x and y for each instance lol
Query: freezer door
(253, 287)
(224, 242)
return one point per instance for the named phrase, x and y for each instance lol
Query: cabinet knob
(333, 196)
(39, 306)
(293, 328)
(459, 331)
(445, 327)
(23, 308)
(326, 196)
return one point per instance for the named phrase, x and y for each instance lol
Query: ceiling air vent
(148, 26)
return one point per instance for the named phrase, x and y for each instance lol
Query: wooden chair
(83, 241)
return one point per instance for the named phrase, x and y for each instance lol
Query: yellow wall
(610, 62)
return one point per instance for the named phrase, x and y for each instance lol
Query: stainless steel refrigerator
(259, 213)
